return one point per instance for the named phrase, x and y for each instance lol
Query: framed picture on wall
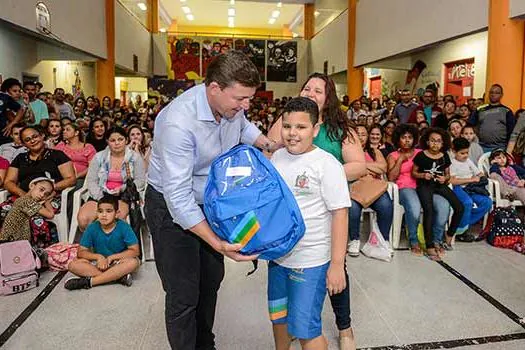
(282, 61)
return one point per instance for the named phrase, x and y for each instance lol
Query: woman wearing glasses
(26, 166)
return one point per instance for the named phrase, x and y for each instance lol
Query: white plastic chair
(60, 219)
(3, 195)
(79, 197)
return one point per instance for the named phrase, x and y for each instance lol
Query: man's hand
(102, 263)
(475, 179)
(232, 252)
(335, 279)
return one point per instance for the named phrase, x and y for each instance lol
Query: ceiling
(248, 14)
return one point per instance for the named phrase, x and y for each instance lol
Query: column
(286, 32)
(505, 60)
(309, 21)
(153, 16)
(106, 68)
(354, 76)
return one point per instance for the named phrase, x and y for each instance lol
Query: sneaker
(353, 248)
(466, 237)
(77, 283)
(126, 280)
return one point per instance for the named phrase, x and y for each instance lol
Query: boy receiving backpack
(297, 283)
(108, 250)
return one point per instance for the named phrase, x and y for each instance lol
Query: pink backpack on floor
(59, 255)
(18, 264)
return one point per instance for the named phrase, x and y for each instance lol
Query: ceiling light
(231, 19)
(279, 4)
(232, 2)
(276, 13)
(185, 9)
(271, 20)
(231, 12)
(317, 13)
(231, 25)
(190, 17)
(162, 30)
(142, 6)
(294, 35)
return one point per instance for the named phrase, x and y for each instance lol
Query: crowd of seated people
(58, 141)
(421, 143)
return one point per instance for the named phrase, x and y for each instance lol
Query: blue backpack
(246, 201)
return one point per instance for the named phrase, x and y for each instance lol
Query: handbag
(367, 190)
(376, 247)
(60, 254)
(132, 196)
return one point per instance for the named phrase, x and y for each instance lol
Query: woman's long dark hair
(337, 124)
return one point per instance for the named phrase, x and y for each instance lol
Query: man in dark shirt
(11, 112)
(405, 108)
(494, 121)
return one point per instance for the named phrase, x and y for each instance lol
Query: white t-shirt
(463, 170)
(319, 185)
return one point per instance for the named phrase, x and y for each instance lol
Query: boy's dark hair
(9, 83)
(468, 126)
(230, 68)
(108, 200)
(445, 146)
(460, 143)
(303, 104)
(403, 129)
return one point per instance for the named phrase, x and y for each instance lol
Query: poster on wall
(213, 47)
(183, 56)
(167, 89)
(254, 49)
(282, 61)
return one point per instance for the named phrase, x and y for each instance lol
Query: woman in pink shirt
(77, 150)
(400, 165)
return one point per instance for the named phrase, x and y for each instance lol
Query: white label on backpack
(239, 171)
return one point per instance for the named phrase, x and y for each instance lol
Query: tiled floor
(410, 300)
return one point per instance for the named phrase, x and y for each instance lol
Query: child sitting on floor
(108, 250)
(470, 188)
(17, 226)
(509, 176)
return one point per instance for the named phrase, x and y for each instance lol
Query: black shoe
(77, 283)
(126, 280)
(466, 237)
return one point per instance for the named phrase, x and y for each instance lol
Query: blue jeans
(410, 201)
(384, 209)
(471, 215)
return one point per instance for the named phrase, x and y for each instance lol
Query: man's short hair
(9, 83)
(108, 199)
(498, 86)
(230, 68)
(303, 104)
(460, 143)
(29, 83)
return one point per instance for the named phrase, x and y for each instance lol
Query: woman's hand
(441, 179)
(335, 279)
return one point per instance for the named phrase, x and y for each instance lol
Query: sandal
(416, 250)
(447, 246)
(432, 254)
